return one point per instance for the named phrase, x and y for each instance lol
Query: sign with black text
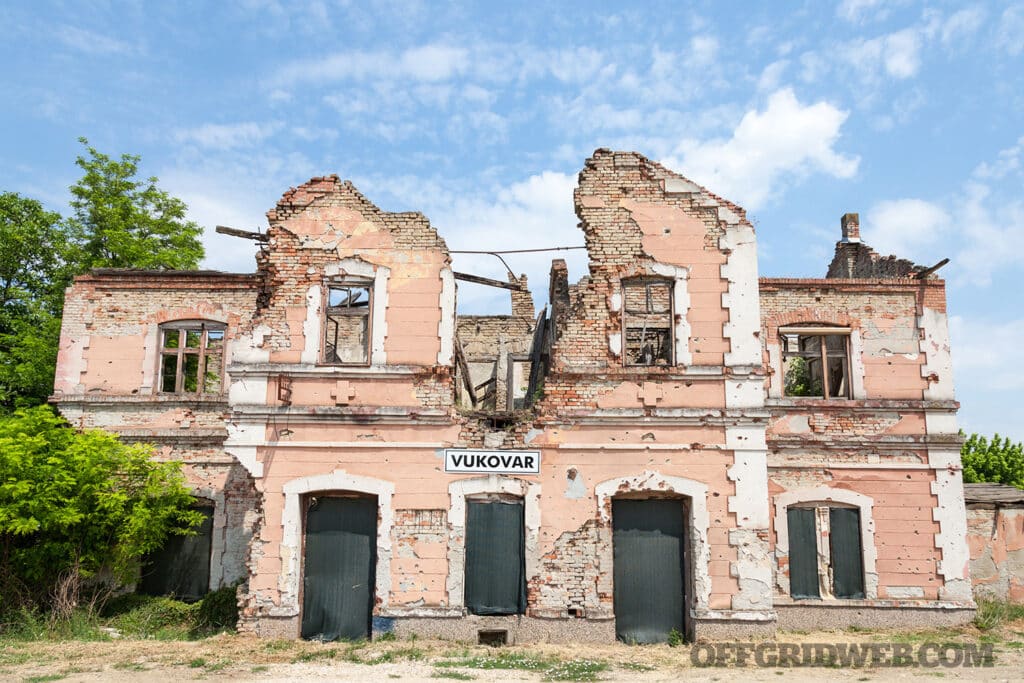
(473, 461)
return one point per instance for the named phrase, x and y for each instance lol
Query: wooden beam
(489, 282)
(928, 271)
(235, 232)
(460, 361)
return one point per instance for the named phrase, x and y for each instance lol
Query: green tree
(125, 222)
(998, 461)
(34, 270)
(73, 503)
(33, 253)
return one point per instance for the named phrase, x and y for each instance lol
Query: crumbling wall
(995, 534)
(854, 259)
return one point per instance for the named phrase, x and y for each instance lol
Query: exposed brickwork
(712, 428)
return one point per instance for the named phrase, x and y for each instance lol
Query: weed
(44, 677)
(575, 670)
(218, 610)
(636, 666)
(259, 669)
(675, 638)
(386, 637)
(456, 675)
(412, 653)
(129, 666)
(142, 616)
(313, 655)
(278, 645)
(197, 663)
(994, 613)
(8, 657)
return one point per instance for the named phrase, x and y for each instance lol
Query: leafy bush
(153, 617)
(997, 461)
(218, 610)
(75, 504)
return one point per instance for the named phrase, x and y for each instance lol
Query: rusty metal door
(339, 568)
(649, 541)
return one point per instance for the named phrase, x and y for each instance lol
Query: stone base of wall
(521, 629)
(827, 618)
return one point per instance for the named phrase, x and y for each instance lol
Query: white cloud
(854, 10)
(982, 347)
(1008, 161)
(1010, 36)
(961, 25)
(783, 144)
(426, 63)
(905, 227)
(227, 135)
(772, 75)
(91, 42)
(896, 54)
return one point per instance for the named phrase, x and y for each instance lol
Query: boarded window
(648, 322)
(847, 560)
(182, 567)
(347, 326)
(803, 553)
(816, 364)
(191, 358)
(839, 572)
(495, 562)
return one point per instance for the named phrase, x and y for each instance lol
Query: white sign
(467, 460)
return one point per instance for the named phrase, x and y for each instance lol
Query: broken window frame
(825, 551)
(670, 341)
(822, 354)
(183, 352)
(327, 357)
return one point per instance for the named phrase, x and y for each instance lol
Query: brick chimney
(851, 227)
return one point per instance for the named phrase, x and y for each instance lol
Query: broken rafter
(235, 232)
(489, 282)
(928, 271)
(460, 361)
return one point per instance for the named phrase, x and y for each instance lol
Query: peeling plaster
(697, 492)
(461, 489)
(826, 494)
(290, 577)
(446, 326)
(742, 298)
(938, 362)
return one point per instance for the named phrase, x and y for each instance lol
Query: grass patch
(455, 675)
(398, 654)
(995, 613)
(636, 666)
(259, 669)
(197, 663)
(550, 668)
(44, 677)
(315, 655)
(576, 670)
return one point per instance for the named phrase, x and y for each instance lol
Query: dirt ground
(241, 658)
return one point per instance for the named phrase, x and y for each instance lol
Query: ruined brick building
(672, 443)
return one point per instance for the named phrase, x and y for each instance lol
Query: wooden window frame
(647, 282)
(363, 283)
(183, 350)
(822, 356)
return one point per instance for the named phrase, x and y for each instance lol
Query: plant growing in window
(815, 362)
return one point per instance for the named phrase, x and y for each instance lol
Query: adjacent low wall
(995, 534)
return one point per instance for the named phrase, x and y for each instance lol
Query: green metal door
(181, 568)
(339, 568)
(648, 545)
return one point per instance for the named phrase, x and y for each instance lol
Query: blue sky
(480, 115)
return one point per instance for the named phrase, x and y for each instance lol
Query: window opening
(816, 362)
(191, 358)
(347, 326)
(648, 322)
